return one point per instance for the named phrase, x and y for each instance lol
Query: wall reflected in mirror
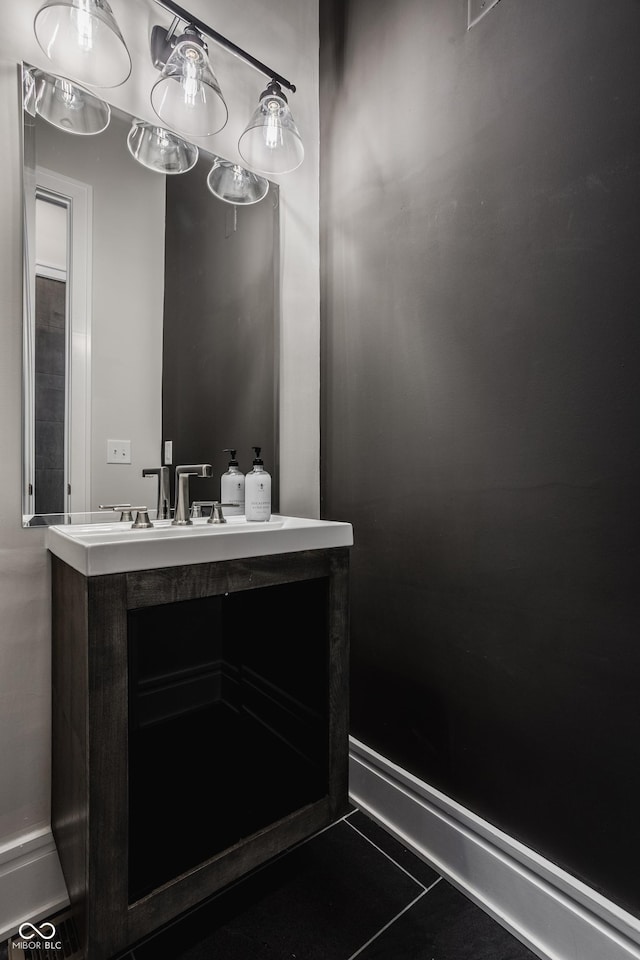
(151, 314)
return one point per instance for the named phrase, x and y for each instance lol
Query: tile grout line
(394, 862)
(425, 891)
(219, 893)
(334, 823)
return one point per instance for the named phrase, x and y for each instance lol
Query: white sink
(100, 548)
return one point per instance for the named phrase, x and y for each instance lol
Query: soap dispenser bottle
(258, 491)
(232, 486)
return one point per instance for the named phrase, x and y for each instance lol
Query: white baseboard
(555, 915)
(31, 883)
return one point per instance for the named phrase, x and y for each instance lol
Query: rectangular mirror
(151, 317)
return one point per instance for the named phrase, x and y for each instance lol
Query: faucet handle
(142, 514)
(217, 516)
(196, 508)
(141, 521)
(125, 509)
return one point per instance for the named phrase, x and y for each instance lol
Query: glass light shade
(187, 96)
(233, 184)
(271, 142)
(64, 104)
(160, 149)
(83, 41)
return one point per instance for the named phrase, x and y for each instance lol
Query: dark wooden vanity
(200, 728)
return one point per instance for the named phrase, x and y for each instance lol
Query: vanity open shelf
(200, 727)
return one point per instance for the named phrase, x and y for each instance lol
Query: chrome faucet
(181, 513)
(162, 473)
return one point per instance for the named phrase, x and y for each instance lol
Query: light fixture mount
(163, 43)
(205, 30)
(273, 89)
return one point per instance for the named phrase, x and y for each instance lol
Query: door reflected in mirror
(50, 366)
(151, 314)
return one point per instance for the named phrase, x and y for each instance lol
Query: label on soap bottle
(257, 505)
(232, 491)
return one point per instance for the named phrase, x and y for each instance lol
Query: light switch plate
(118, 451)
(477, 10)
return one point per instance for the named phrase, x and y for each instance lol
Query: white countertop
(101, 548)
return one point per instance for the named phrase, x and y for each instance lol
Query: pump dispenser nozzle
(232, 462)
(257, 450)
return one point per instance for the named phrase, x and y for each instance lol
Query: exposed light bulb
(63, 104)
(270, 142)
(66, 91)
(190, 83)
(84, 22)
(83, 41)
(159, 149)
(187, 97)
(272, 130)
(232, 183)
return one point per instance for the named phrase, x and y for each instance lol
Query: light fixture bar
(202, 27)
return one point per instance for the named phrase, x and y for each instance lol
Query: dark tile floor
(350, 891)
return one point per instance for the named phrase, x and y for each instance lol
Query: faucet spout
(162, 473)
(181, 513)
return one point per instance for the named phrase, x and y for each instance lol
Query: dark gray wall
(480, 196)
(221, 315)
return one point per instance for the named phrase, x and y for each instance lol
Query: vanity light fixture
(271, 142)
(83, 41)
(64, 104)
(159, 149)
(187, 97)
(234, 184)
